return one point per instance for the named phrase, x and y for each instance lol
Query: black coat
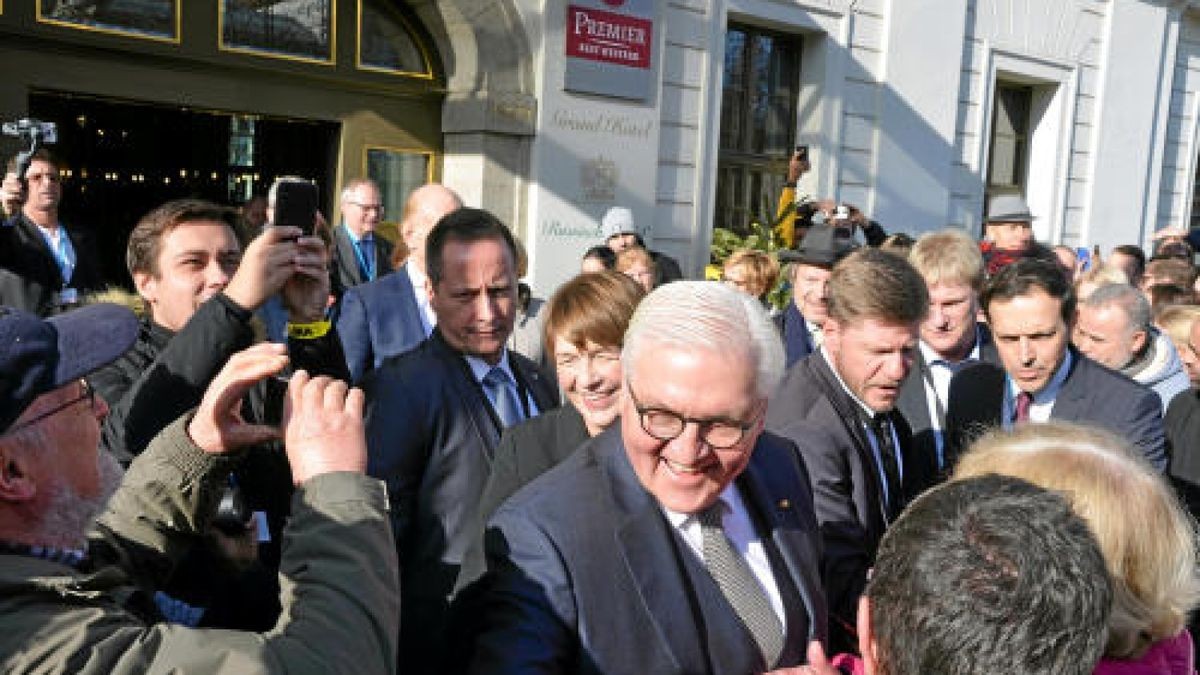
(811, 409)
(163, 376)
(1182, 423)
(914, 405)
(1091, 394)
(29, 274)
(431, 436)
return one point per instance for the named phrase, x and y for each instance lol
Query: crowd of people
(325, 451)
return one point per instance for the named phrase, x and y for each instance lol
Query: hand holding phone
(296, 205)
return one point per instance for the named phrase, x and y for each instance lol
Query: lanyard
(63, 252)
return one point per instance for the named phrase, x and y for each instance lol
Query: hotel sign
(610, 47)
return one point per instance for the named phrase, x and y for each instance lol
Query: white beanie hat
(618, 220)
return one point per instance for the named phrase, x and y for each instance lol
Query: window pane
(386, 43)
(733, 92)
(397, 173)
(298, 28)
(758, 124)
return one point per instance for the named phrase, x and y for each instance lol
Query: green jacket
(340, 586)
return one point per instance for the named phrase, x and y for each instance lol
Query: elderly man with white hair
(680, 540)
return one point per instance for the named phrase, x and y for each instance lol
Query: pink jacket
(1165, 657)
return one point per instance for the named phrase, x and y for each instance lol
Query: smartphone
(296, 205)
(1085, 258)
(802, 152)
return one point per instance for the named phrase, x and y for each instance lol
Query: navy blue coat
(1091, 394)
(586, 574)
(431, 435)
(378, 320)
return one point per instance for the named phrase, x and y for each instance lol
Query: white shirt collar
(932, 357)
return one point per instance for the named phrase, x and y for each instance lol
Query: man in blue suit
(436, 413)
(1031, 308)
(392, 314)
(681, 540)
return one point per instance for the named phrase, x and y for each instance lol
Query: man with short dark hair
(1113, 328)
(1031, 311)
(436, 413)
(983, 576)
(1131, 260)
(838, 406)
(200, 292)
(72, 586)
(45, 267)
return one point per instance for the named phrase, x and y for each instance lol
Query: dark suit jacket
(29, 274)
(797, 342)
(378, 320)
(343, 267)
(431, 435)
(914, 405)
(1091, 394)
(526, 451)
(586, 575)
(811, 409)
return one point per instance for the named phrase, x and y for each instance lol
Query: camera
(33, 132)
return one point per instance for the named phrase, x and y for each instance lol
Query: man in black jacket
(838, 406)
(200, 291)
(44, 267)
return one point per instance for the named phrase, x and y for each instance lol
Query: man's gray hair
(354, 184)
(710, 316)
(1131, 301)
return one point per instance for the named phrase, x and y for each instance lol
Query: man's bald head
(424, 208)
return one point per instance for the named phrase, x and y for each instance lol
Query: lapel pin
(785, 504)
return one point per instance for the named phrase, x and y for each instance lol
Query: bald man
(391, 315)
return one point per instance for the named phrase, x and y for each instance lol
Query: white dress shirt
(745, 540)
(428, 317)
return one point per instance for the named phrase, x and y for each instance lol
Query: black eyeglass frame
(88, 394)
(706, 425)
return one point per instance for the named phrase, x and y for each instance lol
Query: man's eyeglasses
(86, 394)
(667, 425)
(369, 207)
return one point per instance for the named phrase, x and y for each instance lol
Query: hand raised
(323, 427)
(218, 426)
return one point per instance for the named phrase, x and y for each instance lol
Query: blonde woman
(1148, 541)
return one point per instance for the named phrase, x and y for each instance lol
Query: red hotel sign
(597, 35)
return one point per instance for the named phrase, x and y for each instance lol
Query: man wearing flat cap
(800, 323)
(74, 587)
(1007, 232)
(620, 233)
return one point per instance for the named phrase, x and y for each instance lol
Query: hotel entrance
(120, 159)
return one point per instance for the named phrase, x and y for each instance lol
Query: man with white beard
(73, 591)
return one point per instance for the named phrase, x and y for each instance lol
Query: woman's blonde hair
(762, 270)
(1148, 540)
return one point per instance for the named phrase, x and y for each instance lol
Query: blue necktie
(366, 257)
(507, 408)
